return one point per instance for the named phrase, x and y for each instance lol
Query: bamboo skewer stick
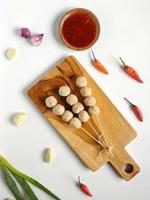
(93, 129)
(102, 131)
(102, 140)
(91, 136)
(97, 134)
(109, 146)
(102, 137)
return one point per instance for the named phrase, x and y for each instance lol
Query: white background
(125, 31)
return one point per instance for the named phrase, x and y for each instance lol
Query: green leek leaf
(11, 184)
(26, 187)
(27, 178)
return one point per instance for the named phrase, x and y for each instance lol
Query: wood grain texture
(118, 131)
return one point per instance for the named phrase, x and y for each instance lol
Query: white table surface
(125, 32)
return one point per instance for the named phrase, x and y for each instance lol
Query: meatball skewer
(66, 115)
(86, 92)
(93, 110)
(77, 108)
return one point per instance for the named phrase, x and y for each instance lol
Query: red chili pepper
(131, 72)
(84, 188)
(136, 110)
(99, 65)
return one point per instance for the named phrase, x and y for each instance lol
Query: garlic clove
(11, 53)
(9, 198)
(49, 155)
(19, 118)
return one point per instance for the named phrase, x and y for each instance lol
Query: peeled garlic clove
(19, 118)
(49, 155)
(11, 53)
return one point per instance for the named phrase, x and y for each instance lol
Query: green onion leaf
(11, 184)
(27, 178)
(26, 187)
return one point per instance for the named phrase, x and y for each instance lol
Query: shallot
(36, 39)
(25, 32)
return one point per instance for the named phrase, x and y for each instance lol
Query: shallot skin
(25, 32)
(36, 39)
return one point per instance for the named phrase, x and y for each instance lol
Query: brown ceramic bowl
(95, 23)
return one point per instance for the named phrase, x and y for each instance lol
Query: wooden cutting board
(117, 130)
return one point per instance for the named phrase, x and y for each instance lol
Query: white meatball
(71, 99)
(75, 122)
(77, 108)
(58, 109)
(90, 101)
(86, 91)
(81, 81)
(94, 110)
(84, 116)
(67, 116)
(50, 101)
(64, 90)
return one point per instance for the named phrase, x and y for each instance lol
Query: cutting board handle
(124, 164)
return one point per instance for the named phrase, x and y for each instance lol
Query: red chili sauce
(79, 30)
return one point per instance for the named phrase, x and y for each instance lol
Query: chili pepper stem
(122, 61)
(79, 180)
(93, 55)
(131, 104)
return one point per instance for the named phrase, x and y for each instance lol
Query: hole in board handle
(128, 168)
